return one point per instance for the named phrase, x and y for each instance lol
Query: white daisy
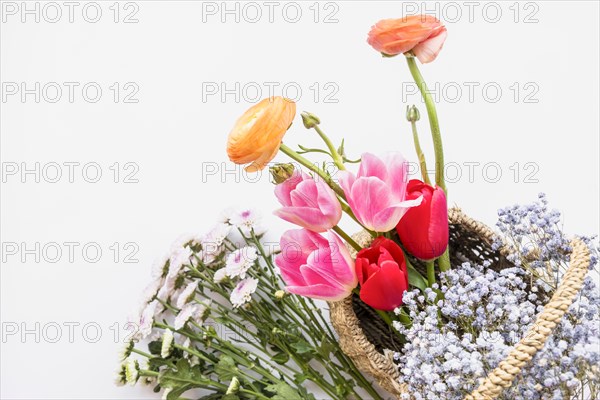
(179, 257)
(167, 344)
(220, 275)
(159, 268)
(243, 292)
(226, 214)
(184, 239)
(146, 320)
(187, 294)
(151, 290)
(167, 289)
(189, 311)
(212, 243)
(132, 371)
(246, 220)
(125, 350)
(121, 378)
(240, 261)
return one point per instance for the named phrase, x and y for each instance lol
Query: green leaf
(226, 368)
(283, 391)
(155, 347)
(281, 357)
(415, 278)
(230, 397)
(302, 347)
(325, 348)
(182, 378)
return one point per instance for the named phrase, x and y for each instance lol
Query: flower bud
(310, 120)
(281, 172)
(279, 294)
(412, 113)
(234, 386)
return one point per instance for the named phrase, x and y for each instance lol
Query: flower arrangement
(431, 303)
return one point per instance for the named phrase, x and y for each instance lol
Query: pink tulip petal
(398, 175)
(386, 219)
(328, 202)
(369, 196)
(321, 292)
(371, 165)
(314, 276)
(309, 218)
(283, 190)
(305, 194)
(428, 50)
(290, 276)
(343, 264)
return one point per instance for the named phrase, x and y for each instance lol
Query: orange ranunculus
(423, 34)
(257, 134)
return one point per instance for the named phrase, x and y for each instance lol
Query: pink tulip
(314, 266)
(309, 203)
(377, 194)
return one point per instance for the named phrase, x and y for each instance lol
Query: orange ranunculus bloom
(257, 134)
(423, 34)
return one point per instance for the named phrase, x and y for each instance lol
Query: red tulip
(382, 274)
(423, 230)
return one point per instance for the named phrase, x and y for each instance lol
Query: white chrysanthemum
(243, 292)
(167, 344)
(220, 275)
(246, 220)
(179, 257)
(146, 320)
(132, 370)
(240, 261)
(184, 239)
(189, 311)
(125, 350)
(120, 377)
(212, 243)
(151, 290)
(187, 294)
(226, 214)
(167, 289)
(159, 268)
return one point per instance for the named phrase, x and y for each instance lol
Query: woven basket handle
(503, 376)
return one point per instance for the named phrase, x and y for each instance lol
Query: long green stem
(337, 159)
(420, 155)
(303, 161)
(347, 238)
(430, 273)
(433, 120)
(444, 260)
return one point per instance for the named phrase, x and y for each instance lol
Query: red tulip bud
(382, 274)
(423, 230)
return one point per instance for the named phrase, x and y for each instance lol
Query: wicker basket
(366, 339)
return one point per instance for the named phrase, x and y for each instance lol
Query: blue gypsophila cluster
(457, 338)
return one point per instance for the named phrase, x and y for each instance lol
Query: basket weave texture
(366, 339)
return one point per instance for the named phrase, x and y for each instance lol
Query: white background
(177, 130)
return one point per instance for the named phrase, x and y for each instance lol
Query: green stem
(433, 120)
(303, 161)
(444, 260)
(430, 272)
(347, 238)
(420, 155)
(337, 159)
